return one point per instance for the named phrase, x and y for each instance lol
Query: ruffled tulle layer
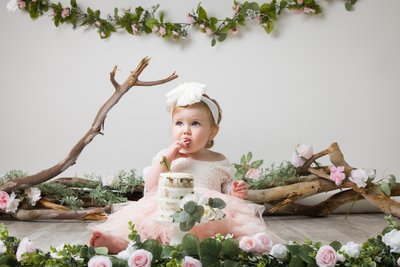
(243, 218)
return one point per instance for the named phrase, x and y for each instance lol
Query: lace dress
(211, 178)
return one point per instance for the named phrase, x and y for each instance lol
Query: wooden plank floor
(357, 228)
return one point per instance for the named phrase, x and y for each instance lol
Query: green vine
(137, 21)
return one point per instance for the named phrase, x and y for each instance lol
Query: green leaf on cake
(190, 207)
(216, 203)
(188, 225)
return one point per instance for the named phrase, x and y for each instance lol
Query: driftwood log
(283, 198)
(96, 128)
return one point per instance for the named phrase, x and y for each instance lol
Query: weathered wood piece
(95, 129)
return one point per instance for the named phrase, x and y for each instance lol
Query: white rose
(12, 6)
(392, 239)
(109, 180)
(25, 246)
(33, 194)
(279, 251)
(359, 177)
(12, 204)
(56, 254)
(3, 247)
(352, 249)
(219, 214)
(126, 254)
(209, 214)
(305, 151)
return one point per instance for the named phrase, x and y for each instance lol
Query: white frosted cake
(172, 187)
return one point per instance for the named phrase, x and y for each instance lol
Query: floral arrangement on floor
(138, 20)
(71, 193)
(257, 250)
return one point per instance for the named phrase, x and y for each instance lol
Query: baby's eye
(195, 123)
(178, 123)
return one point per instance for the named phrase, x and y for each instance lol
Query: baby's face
(192, 127)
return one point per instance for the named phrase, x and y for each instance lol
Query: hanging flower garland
(137, 21)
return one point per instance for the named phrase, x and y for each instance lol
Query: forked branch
(95, 129)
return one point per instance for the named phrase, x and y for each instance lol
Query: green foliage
(12, 174)
(284, 173)
(139, 20)
(72, 201)
(126, 181)
(217, 251)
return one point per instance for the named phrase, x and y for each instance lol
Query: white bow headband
(188, 94)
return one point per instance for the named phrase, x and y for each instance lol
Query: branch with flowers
(284, 185)
(138, 20)
(256, 250)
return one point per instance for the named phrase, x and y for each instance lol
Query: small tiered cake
(172, 187)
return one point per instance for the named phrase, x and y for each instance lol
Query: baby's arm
(239, 189)
(172, 153)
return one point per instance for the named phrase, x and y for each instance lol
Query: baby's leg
(114, 243)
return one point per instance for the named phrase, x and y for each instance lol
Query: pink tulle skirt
(242, 218)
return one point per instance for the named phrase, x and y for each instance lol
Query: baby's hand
(173, 151)
(240, 189)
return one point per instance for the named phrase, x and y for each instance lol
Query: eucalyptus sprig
(193, 212)
(139, 20)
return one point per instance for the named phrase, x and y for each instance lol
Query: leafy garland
(137, 21)
(383, 250)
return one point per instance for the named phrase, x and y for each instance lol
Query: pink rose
(247, 243)
(65, 13)
(3, 199)
(21, 4)
(234, 31)
(25, 246)
(308, 10)
(190, 19)
(99, 261)
(337, 174)
(191, 262)
(140, 258)
(253, 174)
(297, 161)
(326, 256)
(263, 243)
(162, 31)
(258, 19)
(134, 28)
(209, 31)
(235, 9)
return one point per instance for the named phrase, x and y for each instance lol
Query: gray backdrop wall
(315, 80)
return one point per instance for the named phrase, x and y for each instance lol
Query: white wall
(315, 80)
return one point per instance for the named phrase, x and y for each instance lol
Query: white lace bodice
(214, 175)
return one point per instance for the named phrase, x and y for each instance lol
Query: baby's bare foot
(114, 243)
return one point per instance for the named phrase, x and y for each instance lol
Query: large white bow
(185, 94)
